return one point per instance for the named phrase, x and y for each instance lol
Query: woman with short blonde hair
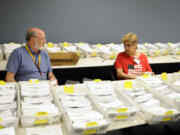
(131, 63)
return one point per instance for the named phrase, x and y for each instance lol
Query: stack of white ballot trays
(9, 48)
(69, 47)
(105, 51)
(88, 51)
(7, 131)
(37, 104)
(80, 115)
(8, 104)
(52, 47)
(154, 110)
(113, 106)
(48, 130)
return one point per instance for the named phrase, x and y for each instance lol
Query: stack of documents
(36, 101)
(52, 47)
(7, 131)
(48, 130)
(8, 104)
(105, 96)
(78, 108)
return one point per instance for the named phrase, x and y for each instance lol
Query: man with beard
(29, 61)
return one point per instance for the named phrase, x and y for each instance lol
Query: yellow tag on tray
(91, 124)
(33, 81)
(65, 44)
(167, 119)
(2, 82)
(168, 112)
(0, 119)
(128, 85)
(122, 110)
(164, 76)
(69, 89)
(41, 114)
(1, 127)
(121, 117)
(97, 80)
(50, 45)
(40, 121)
(88, 132)
(99, 45)
(145, 75)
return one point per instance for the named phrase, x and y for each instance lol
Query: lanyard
(37, 64)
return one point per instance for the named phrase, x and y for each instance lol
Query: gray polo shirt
(22, 65)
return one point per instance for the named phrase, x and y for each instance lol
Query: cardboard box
(65, 58)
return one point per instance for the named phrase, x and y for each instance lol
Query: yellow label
(112, 43)
(78, 54)
(12, 43)
(90, 132)
(166, 119)
(128, 84)
(97, 80)
(69, 89)
(169, 43)
(91, 124)
(168, 112)
(121, 117)
(50, 45)
(2, 82)
(178, 52)
(113, 55)
(41, 114)
(33, 81)
(99, 45)
(0, 119)
(65, 44)
(40, 121)
(164, 76)
(80, 43)
(1, 127)
(122, 110)
(93, 54)
(145, 75)
(179, 71)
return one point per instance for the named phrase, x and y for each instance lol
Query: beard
(37, 46)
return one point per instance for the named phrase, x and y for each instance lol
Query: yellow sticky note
(169, 43)
(121, 117)
(94, 54)
(113, 55)
(179, 71)
(50, 45)
(34, 81)
(12, 43)
(164, 76)
(91, 124)
(88, 132)
(128, 85)
(167, 119)
(80, 43)
(41, 114)
(99, 45)
(65, 44)
(69, 89)
(157, 53)
(168, 112)
(2, 82)
(145, 75)
(1, 127)
(122, 109)
(97, 80)
(0, 119)
(40, 121)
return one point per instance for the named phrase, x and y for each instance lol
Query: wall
(93, 21)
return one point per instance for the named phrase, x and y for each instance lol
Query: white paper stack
(116, 47)
(7, 131)
(89, 52)
(8, 104)
(8, 48)
(52, 47)
(48, 130)
(107, 99)
(37, 102)
(79, 111)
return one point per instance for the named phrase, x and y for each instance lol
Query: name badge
(137, 61)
